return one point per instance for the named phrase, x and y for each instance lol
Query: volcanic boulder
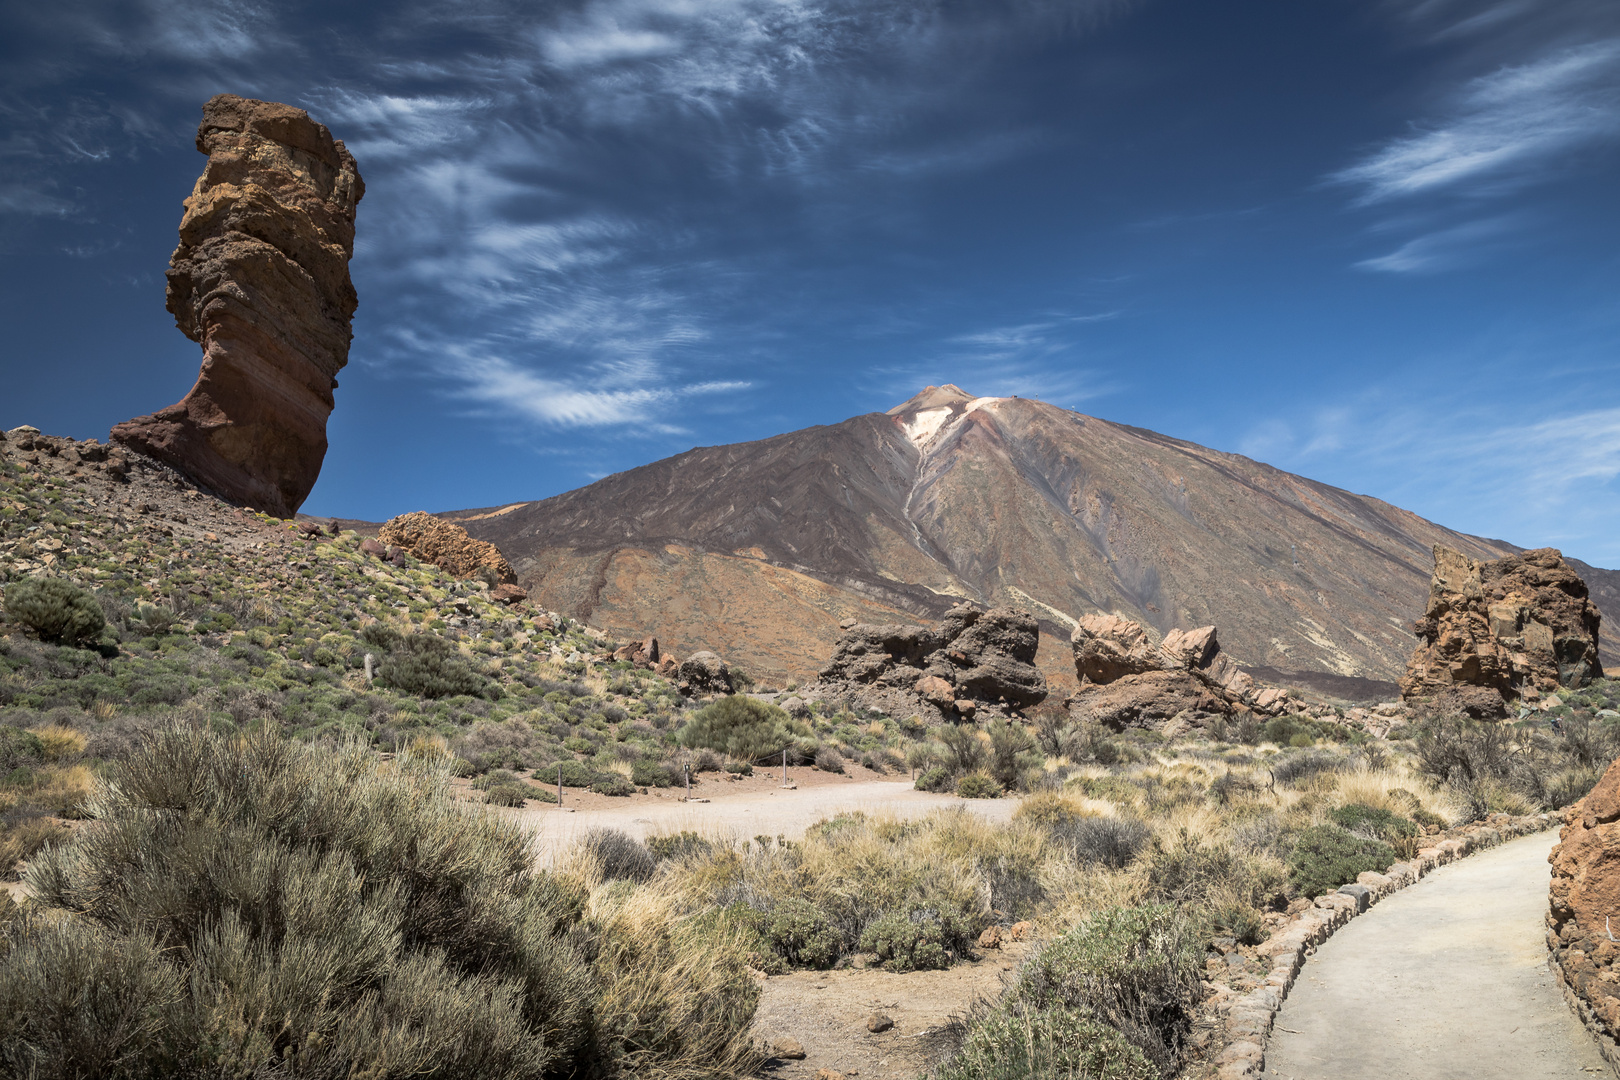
(447, 546)
(1585, 898)
(1126, 680)
(702, 674)
(1497, 629)
(261, 280)
(975, 662)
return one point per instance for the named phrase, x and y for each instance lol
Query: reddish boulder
(508, 594)
(1495, 628)
(1128, 681)
(447, 546)
(1585, 886)
(261, 281)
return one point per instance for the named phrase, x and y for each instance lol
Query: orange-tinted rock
(508, 594)
(1495, 628)
(261, 281)
(446, 546)
(1585, 886)
(1128, 681)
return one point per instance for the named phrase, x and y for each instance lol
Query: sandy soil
(740, 809)
(1446, 980)
(826, 1012)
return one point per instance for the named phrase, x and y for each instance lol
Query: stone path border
(1249, 1018)
(1582, 1008)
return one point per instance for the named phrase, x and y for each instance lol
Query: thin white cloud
(1444, 249)
(1509, 126)
(499, 383)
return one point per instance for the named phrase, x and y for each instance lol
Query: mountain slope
(758, 549)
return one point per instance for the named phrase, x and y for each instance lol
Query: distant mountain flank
(758, 550)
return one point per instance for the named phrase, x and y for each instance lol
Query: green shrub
(573, 773)
(646, 773)
(1327, 856)
(924, 940)
(1134, 969)
(1374, 821)
(512, 794)
(934, 779)
(612, 784)
(1017, 1043)
(19, 749)
(1012, 751)
(620, 856)
(1110, 841)
(800, 933)
(679, 846)
(219, 867)
(1242, 922)
(740, 727)
(55, 609)
(978, 786)
(740, 768)
(829, 760)
(1188, 871)
(429, 666)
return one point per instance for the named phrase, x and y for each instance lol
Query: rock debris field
(1446, 980)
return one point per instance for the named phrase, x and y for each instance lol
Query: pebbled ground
(1446, 980)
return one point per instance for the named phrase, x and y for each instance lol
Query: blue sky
(1374, 242)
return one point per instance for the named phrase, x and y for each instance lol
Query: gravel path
(1446, 979)
(745, 815)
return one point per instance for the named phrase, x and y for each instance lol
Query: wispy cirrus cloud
(1444, 249)
(1506, 128)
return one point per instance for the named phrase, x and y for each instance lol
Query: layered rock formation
(1585, 899)
(1498, 630)
(1129, 680)
(703, 674)
(975, 664)
(447, 546)
(261, 280)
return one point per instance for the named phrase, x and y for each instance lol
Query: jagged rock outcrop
(1585, 899)
(1497, 630)
(702, 674)
(447, 546)
(261, 281)
(643, 654)
(976, 663)
(1128, 680)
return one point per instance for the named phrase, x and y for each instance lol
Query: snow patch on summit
(922, 427)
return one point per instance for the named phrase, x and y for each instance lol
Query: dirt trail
(1447, 979)
(744, 815)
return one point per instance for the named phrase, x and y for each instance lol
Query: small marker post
(784, 766)
(559, 785)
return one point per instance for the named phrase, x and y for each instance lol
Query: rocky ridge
(447, 546)
(1584, 898)
(261, 280)
(1127, 679)
(975, 664)
(1499, 630)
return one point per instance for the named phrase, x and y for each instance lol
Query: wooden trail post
(559, 785)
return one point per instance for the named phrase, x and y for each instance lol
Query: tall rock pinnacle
(261, 281)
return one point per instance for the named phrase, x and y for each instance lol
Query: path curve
(1445, 980)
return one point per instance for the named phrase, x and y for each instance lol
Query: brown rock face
(1494, 628)
(975, 663)
(1126, 680)
(446, 546)
(1585, 888)
(261, 281)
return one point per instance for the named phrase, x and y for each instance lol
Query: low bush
(740, 727)
(55, 609)
(292, 856)
(647, 773)
(936, 778)
(800, 933)
(978, 786)
(829, 760)
(1327, 856)
(619, 856)
(739, 768)
(1134, 969)
(511, 795)
(1374, 821)
(612, 784)
(429, 666)
(1016, 1042)
(681, 845)
(19, 749)
(1306, 764)
(1108, 841)
(919, 940)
